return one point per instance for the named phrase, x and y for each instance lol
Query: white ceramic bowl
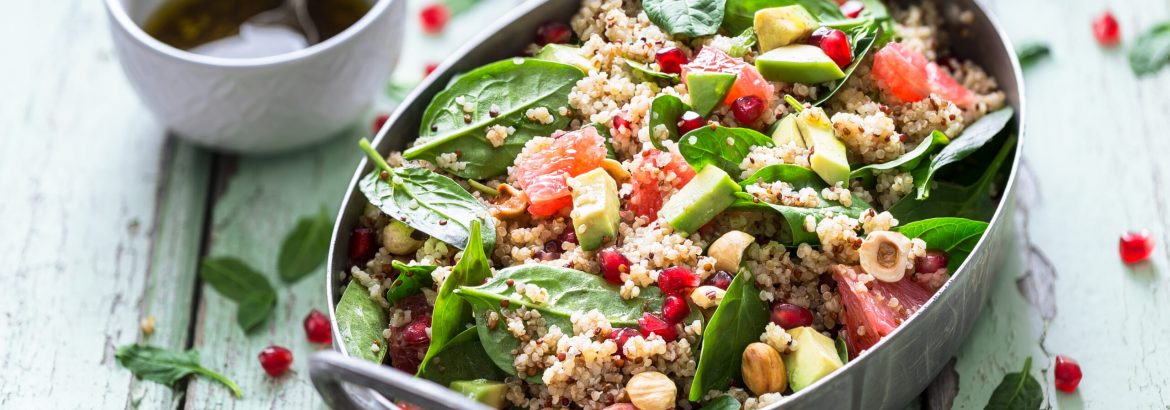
(260, 104)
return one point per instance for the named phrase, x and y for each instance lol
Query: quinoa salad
(658, 207)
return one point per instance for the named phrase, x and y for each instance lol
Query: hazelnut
(399, 239)
(884, 255)
(763, 371)
(511, 203)
(707, 296)
(651, 391)
(728, 250)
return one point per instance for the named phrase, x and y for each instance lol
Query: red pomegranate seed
(434, 18)
(620, 336)
(613, 265)
(676, 280)
(380, 121)
(790, 316)
(317, 328)
(1136, 246)
(650, 323)
(720, 280)
(689, 121)
(430, 68)
(675, 309)
(670, 60)
(620, 122)
(852, 8)
(747, 109)
(415, 333)
(569, 235)
(361, 244)
(834, 43)
(275, 360)
(1106, 29)
(553, 33)
(931, 262)
(1068, 374)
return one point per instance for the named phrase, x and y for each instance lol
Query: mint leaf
(1017, 391)
(237, 281)
(167, 367)
(305, 247)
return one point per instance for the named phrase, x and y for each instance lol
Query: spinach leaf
(644, 73)
(723, 147)
(665, 110)
(305, 247)
(256, 307)
(877, 10)
(743, 43)
(426, 201)
(570, 291)
(907, 161)
(722, 403)
(237, 281)
(167, 367)
(949, 199)
(452, 312)
(1017, 391)
(955, 236)
(463, 358)
(360, 322)
(740, 14)
(863, 39)
(502, 93)
(1151, 51)
(690, 18)
(960, 147)
(799, 177)
(737, 322)
(411, 279)
(1032, 53)
(842, 350)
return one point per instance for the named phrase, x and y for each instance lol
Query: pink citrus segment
(946, 87)
(748, 81)
(646, 196)
(908, 76)
(868, 313)
(542, 174)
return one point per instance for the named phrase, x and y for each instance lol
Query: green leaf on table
(973, 138)
(1032, 53)
(740, 14)
(665, 110)
(743, 43)
(722, 403)
(862, 40)
(305, 247)
(360, 322)
(736, 323)
(239, 282)
(955, 236)
(798, 177)
(410, 281)
(463, 358)
(950, 199)
(723, 147)
(644, 73)
(451, 312)
(907, 161)
(1017, 391)
(1151, 51)
(499, 93)
(167, 367)
(252, 311)
(689, 18)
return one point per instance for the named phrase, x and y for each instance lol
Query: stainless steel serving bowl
(888, 376)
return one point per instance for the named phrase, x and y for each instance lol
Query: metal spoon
(291, 13)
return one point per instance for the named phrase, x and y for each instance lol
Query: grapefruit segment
(748, 81)
(543, 174)
(909, 77)
(871, 311)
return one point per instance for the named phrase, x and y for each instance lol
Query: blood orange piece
(870, 311)
(542, 174)
(748, 80)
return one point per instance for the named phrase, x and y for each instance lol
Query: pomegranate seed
(1136, 246)
(931, 262)
(790, 316)
(650, 323)
(834, 43)
(720, 280)
(317, 328)
(852, 8)
(677, 279)
(434, 18)
(1068, 373)
(747, 109)
(613, 265)
(275, 360)
(620, 122)
(689, 121)
(569, 235)
(415, 333)
(553, 33)
(620, 336)
(430, 68)
(670, 60)
(361, 244)
(380, 121)
(1106, 29)
(675, 309)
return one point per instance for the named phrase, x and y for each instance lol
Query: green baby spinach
(690, 18)
(644, 73)
(360, 322)
(722, 403)
(305, 247)
(955, 236)
(665, 110)
(427, 201)
(798, 177)
(411, 279)
(501, 93)
(167, 367)
(736, 323)
(740, 14)
(451, 312)
(862, 39)
(1151, 50)
(950, 199)
(236, 280)
(723, 147)
(1017, 391)
(1032, 53)
(973, 138)
(463, 358)
(908, 161)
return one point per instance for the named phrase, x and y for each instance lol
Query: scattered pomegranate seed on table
(434, 18)
(790, 316)
(677, 280)
(1067, 374)
(834, 43)
(1106, 29)
(361, 244)
(275, 360)
(670, 60)
(675, 309)
(689, 121)
(317, 328)
(747, 109)
(931, 262)
(720, 280)
(613, 265)
(852, 8)
(650, 323)
(553, 33)
(1136, 246)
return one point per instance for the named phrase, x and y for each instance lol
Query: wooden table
(105, 217)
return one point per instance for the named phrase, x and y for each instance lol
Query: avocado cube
(484, 391)
(781, 26)
(828, 158)
(707, 90)
(798, 63)
(815, 357)
(709, 193)
(560, 53)
(788, 132)
(595, 208)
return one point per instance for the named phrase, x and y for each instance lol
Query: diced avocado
(708, 89)
(595, 208)
(564, 54)
(484, 391)
(708, 194)
(781, 26)
(798, 63)
(788, 132)
(815, 357)
(828, 157)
